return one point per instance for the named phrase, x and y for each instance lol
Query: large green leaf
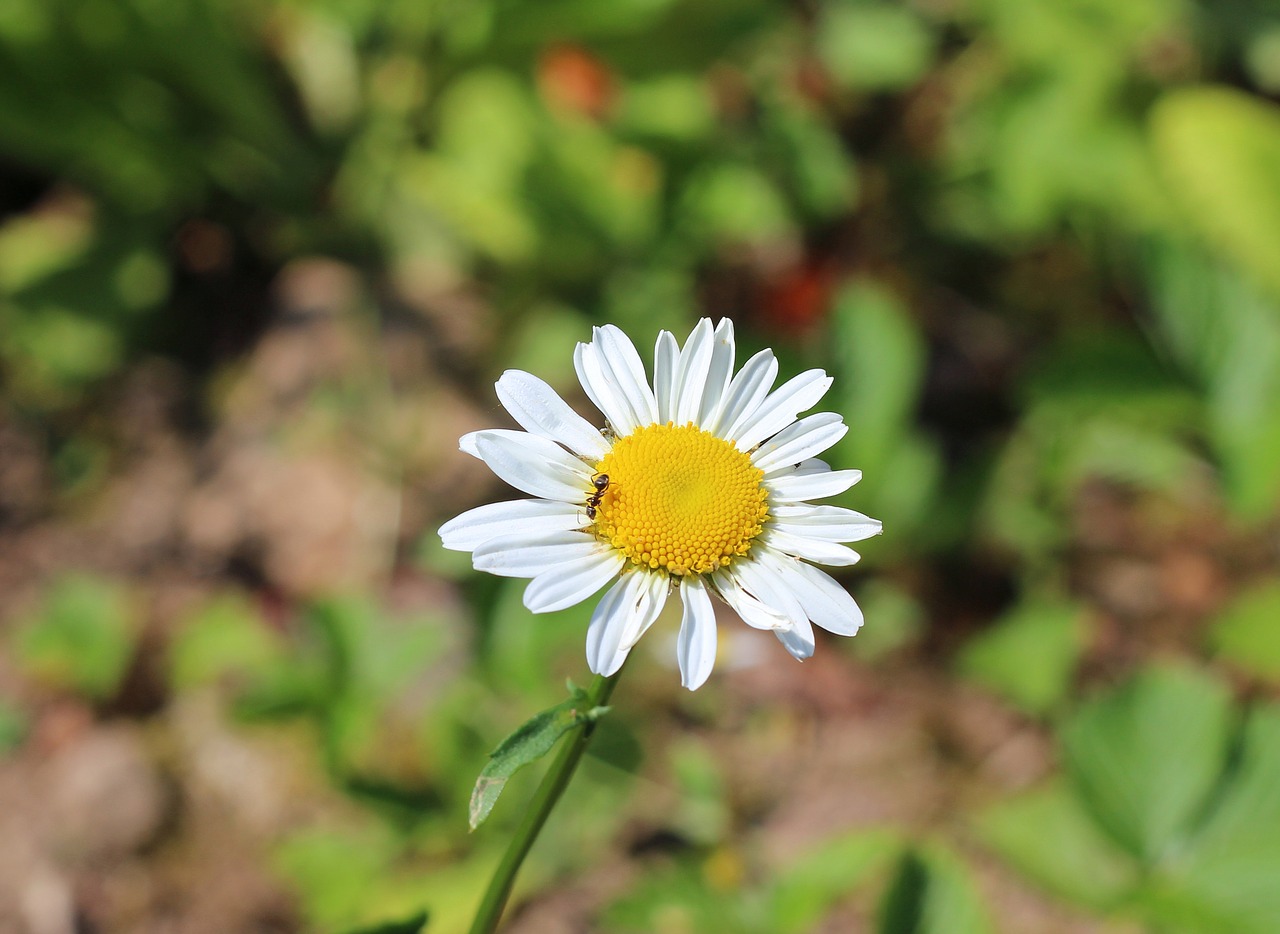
(1145, 757)
(1048, 836)
(880, 353)
(933, 893)
(1227, 879)
(881, 356)
(1029, 655)
(1220, 150)
(1226, 333)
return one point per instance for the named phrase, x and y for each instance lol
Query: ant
(601, 482)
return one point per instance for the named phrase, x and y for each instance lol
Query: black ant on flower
(601, 483)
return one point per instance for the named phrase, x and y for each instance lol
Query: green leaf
(82, 638)
(1145, 757)
(530, 742)
(335, 871)
(13, 727)
(900, 620)
(734, 202)
(225, 638)
(1247, 632)
(806, 890)
(1029, 656)
(820, 171)
(1227, 333)
(674, 106)
(881, 355)
(414, 924)
(519, 655)
(683, 897)
(1229, 875)
(879, 352)
(1220, 150)
(933, 893)
(1049, 837)
(703, 811)
(874, 47)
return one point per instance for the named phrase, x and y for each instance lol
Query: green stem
(544, 799)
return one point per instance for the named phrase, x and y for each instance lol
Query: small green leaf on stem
(530, 742)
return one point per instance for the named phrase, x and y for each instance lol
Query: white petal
(467, 444)
(620, 359)
(754, 613)
(532, 553)
(598, 384)
(813, 465)
(780, 408)
(829, 523)
(821, 599)
(796, 487)
(723, 354)
(761, 581)
(569, 584)
(629, 370)
(465, 532)
(827, 603)
(539, 409)
(609, 618)
(533, 464)
(811, 549)
(798, 640)
(745, 393)
(696, 645)
(691, 377)
(666, 358)
(626, 610)
(658, 587)
(799, 441)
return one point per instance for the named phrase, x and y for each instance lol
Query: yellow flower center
(679, 498)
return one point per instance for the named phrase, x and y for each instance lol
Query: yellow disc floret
(680, 499)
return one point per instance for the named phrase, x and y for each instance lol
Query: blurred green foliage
(81, 637)
(1247, 633)
(1029, 655)
(1165, 813)
(13, 727)
(1037, 241)
(708, 891)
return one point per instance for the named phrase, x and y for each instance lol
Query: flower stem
(544, 799)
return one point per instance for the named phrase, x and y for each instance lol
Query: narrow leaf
(531, 741)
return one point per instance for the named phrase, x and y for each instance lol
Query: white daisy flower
(700, 483)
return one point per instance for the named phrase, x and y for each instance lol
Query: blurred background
(260, 264)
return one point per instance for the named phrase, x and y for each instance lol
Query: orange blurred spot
(798, 297)
(572, 79)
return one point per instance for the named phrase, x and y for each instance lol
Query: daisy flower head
(699, 482)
